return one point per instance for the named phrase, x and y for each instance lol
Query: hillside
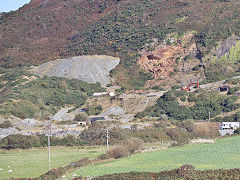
(47, 30)
(26, 95)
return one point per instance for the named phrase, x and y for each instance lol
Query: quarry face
(90, 69)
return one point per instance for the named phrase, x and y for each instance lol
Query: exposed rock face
(163, 60)
(90, 69)
(226, 46)
(159, 62)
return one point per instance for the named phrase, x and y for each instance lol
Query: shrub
(237, 131)
(96, 110)
(133, 144)
(6, 124)
(196, 68)
(103, 156)
(173, 133)
(185, 171)
(183, 98)
(233, 90)
(118, 151)
(176, 87)
(187, 57)
(19, 141)
(81, 117)
(206, 129)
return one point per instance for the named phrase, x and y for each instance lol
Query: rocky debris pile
(90, 69)
(9, 131)
(127, 118)
(66, 130)
(114, 110)
(118, 113)
(27, 123)
(63, 115)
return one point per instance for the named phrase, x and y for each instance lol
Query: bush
(6, 124)
(118, 151)
(206, 129)
(133, 144)
(103, 156)
(96, 110)
(237, 131)
(81, 117)
(183, 98)
(233, 90)
(19, 141)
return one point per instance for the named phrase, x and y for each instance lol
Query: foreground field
(222, 154)
(34, 162)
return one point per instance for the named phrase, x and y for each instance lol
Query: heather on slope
(46, 30)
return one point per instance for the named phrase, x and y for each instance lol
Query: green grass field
(225, 153)
(34, 162)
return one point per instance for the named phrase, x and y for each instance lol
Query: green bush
(95, 110)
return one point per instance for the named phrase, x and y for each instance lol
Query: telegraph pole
(107, 138)
(49, 133)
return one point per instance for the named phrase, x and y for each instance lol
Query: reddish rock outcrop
(162, 61)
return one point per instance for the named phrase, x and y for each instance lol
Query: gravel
(114, 110)
(90, 69)
(9, 131)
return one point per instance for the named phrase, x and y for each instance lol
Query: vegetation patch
(41, 96)
(204, 103)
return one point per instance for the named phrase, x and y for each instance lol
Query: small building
(237, 93)
(224, 88)
(94, 119)
(82, 123)
(228, 128)
(99, 94)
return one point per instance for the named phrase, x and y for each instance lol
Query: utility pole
(107, 139)
(49, 133)
(209, 116)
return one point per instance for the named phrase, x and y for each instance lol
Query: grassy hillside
(222, 154)
(34, 162)
(26, 95)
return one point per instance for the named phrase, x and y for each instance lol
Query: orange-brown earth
(161, 62)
